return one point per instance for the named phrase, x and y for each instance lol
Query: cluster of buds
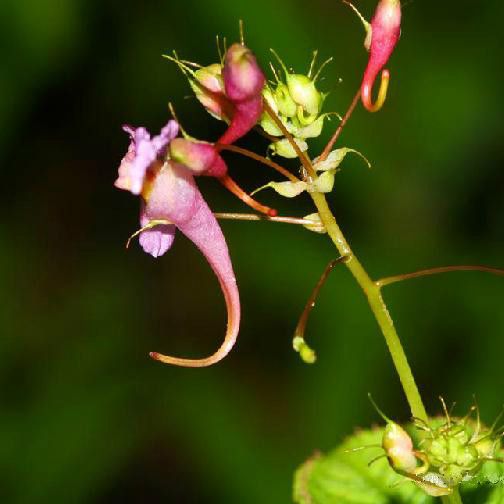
(451, 450)
(297, 103)
(230, 90)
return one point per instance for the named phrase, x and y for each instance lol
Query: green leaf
(344, 477)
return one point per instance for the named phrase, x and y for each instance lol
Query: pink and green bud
(398, 447)
(385, 32)
(243, 83)
(243, 78)
(201, 158)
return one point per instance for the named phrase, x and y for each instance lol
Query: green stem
(454, 498)
(377, 304)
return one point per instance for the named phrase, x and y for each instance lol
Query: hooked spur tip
(367, 89)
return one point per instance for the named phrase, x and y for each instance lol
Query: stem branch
(257, 217)
(261, 159)
(435, 271)
(338, 131)
(377, 304)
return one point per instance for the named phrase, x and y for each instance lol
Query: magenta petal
(176, 198)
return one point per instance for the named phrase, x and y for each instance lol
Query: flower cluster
(451, 451)
(161, 169)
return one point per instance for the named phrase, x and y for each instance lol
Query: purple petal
(142, 152)
(157, 240)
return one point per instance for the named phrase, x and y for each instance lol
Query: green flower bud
(303, 91)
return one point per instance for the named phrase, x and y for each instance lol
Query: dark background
(85, 415)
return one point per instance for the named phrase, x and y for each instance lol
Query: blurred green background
(85, 415)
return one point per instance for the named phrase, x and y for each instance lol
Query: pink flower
(171, 197)
(174, 197)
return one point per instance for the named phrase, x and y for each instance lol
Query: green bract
(323, 183)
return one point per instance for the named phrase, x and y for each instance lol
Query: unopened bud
(243, 78)
(199, 157)
(303, 91)
(398, 447)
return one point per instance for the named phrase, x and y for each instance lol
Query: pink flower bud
(201, 158)
(243, 78)
(398, 447)
(243, 83)
(385, 32)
